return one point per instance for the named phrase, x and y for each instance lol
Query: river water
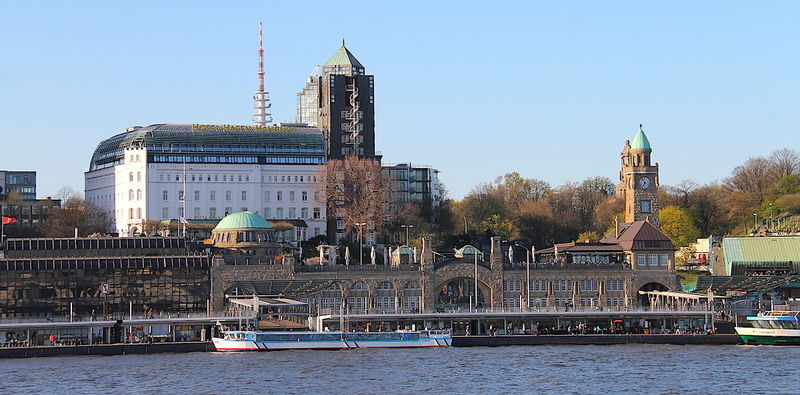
(652, 369)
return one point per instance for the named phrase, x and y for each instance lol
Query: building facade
(409, 183)
(20, 183)
(93, 277)
(174, 171)
(341, 102)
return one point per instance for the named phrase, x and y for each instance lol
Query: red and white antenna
(262, 105)
(260, 59)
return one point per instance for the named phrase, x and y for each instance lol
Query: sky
(475, 89)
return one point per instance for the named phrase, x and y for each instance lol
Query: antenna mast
(262, 116)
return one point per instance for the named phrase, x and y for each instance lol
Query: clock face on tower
(644, 182)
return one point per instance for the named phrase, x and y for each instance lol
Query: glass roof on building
(196, 143)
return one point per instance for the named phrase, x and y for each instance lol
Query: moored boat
(772, 328)
(273, 341)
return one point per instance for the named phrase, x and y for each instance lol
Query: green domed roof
(243, 220)
(640, 141)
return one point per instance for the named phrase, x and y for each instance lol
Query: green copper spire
(343, 57)
(640, 141)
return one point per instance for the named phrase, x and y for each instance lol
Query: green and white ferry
(773, 328)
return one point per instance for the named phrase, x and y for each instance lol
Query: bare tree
(785, 162)
(753, 178)
(355, 192)
(78, 213)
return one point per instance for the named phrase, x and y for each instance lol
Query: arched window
(130, 213)
(130, 194)
(385, 286)
(139, 213)
(358, 286)
(412, 285)
(138, 176)
(130, 176)
(138, 194)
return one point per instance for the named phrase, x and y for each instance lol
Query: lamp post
(407, 228)
(476, 280)
(360, 243)
(771, 225)
(755, 222)
(529, 253)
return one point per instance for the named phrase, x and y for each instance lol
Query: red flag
(9, 220)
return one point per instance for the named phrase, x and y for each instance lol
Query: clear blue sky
(475, 89)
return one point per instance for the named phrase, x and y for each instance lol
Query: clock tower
(639, 180)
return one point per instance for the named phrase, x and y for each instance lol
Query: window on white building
(130, 194)
(292, 213)
(212, 212)
(304, 196)
(164, 195)
(180, 196)
(138, 176)
(266, 196)
(291, 196)
(196, 195)
(164, 212)
(317, 213)
(180, 213)
(279, 196)
(139, 213)
(130, 176)
(267, 212)
(228, 210)
(227, 195)
(138, 194)
(130, 213)
(196, 212)
(244, 195)
(212, 196)
(279, 212)
(304, 213)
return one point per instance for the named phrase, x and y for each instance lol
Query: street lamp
(755, 223)
(407, 228)
(476, 279)
(529, 253)
(360, 243)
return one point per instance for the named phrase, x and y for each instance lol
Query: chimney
(616, 226)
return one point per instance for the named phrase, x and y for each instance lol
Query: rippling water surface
(523, 369)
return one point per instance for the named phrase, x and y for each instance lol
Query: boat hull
(763, 336)
(345, 342)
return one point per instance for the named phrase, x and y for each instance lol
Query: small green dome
(243, 220)
(640, 141)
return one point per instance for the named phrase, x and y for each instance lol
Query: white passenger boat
(273, 341)
(773, 328)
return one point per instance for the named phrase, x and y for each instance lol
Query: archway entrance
(643, 299)
(459, 294)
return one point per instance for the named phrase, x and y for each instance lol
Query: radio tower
(262, 105)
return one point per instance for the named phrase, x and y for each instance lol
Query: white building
(173, 171)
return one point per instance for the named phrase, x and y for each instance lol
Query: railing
(468, 261)
(567, 266)
(355, 268)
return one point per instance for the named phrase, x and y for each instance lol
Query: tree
(678, 225)
(785, 162)
(588, 237)
(79, 213)
(356, 193)
(753, 178)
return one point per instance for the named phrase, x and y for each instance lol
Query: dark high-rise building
(341, 102)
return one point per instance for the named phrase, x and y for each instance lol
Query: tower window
(645, 206)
